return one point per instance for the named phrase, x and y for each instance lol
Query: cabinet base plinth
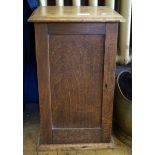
(76, 147)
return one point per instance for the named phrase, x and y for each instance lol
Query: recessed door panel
(76, 75)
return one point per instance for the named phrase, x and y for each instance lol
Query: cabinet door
(76, 69)
(73, 76)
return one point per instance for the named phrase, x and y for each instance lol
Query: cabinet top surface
(75, 14)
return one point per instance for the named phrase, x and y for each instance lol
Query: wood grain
(75, 14)
(76, 69)
(31, 132)
(109, 79)
(75, 136)
(77, 147)
(43, 73)
(78, 28)
(76, 80)
(67, 153)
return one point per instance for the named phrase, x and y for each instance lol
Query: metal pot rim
(119, 85)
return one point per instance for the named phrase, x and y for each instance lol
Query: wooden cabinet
(75, 52)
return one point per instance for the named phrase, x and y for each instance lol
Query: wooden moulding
(76, 147)
(75, 14)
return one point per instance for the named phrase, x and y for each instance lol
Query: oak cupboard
(75, 52)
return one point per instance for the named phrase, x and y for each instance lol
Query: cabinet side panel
(43, 71)
(109, 79)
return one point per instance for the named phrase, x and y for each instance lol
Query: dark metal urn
(123, 107)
